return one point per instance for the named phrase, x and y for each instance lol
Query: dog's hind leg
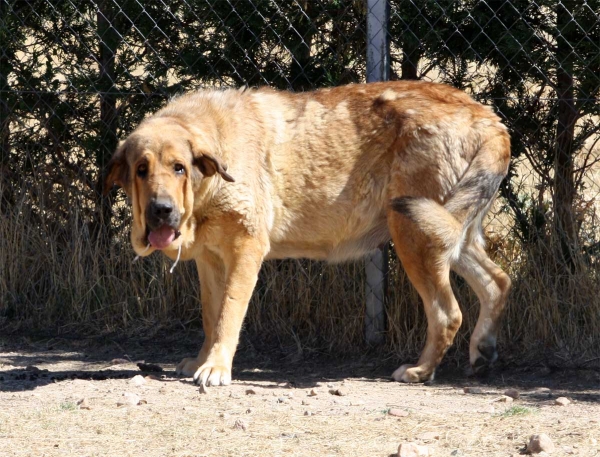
(491, 285)
(429, 272)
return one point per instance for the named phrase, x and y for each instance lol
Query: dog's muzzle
(162, 222)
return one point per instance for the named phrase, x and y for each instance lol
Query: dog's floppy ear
(117, 170)
(210, 165)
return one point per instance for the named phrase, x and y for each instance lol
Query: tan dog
(235, 177)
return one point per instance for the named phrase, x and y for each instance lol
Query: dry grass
(59, 278)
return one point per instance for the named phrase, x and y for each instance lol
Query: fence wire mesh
(77, 76)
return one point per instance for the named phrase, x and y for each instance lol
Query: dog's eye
(142, 170)
(179, 169)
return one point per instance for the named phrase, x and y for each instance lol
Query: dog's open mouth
(162, 237)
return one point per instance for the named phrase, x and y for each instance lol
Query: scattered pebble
(472, 390)
(413, 450)
(250, 392)
(503, 399)
(83, 404)
(308, 413)
(283, 400)
(240, 425)
(340, 392)
(129, 399)
(512, 393)
(562, 401)
(313, 393)
(540, 443)
(397, 412)
(305, 402)
(137, 380)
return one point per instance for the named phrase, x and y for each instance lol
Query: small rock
(32, 368)
(512, 393)
(305, 402)
(129, 399)
(283, 400)
(429, 436)
(397, 412)
(240, 425)
(313, 393)
(233, 395)
(503, 399)
(413, 450)
(340, 392)
(457, 452)
(562, 401)
(137, 380)
(472, 390)
(83, 404)
(568, 450)
(203, 389)
(540, 443)
(308, 413)
(249, 411)
(250, 392)
(593, 441)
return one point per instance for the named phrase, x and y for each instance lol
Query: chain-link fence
(77, 76)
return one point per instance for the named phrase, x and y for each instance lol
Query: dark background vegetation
(77, 76)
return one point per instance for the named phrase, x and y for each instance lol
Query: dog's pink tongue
(162, 237)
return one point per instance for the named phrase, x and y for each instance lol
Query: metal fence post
(378, 69)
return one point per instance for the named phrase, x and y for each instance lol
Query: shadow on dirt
(27, 366)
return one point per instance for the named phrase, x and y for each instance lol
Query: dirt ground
(76, 398)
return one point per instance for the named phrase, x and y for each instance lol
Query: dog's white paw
(412, 374)
(212, 375)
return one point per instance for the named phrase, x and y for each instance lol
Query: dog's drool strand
(143, 252)
(176, 260)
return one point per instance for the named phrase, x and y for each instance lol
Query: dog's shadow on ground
(26, 367)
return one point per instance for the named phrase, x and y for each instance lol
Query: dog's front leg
(242, 260)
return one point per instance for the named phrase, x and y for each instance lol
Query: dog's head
(160, 166)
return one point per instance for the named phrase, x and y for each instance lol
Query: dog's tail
(459, 219)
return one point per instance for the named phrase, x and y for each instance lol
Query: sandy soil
(74, 398)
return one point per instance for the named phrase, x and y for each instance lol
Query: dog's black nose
(161, 211)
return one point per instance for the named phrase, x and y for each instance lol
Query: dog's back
(339, 156)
